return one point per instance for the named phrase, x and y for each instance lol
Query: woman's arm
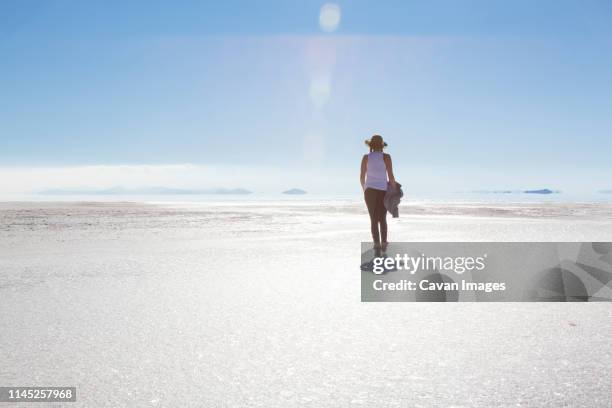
(389, 166)
(362, 175)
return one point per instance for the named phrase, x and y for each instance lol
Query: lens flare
(329, 17)
(319, 91)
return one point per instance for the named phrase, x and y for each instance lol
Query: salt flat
(257, 304)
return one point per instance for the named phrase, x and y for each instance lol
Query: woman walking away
(376, 172)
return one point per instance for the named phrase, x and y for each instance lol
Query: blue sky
(468, 94)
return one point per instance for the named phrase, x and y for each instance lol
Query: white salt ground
(257, 304)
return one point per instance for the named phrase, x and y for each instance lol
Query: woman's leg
(382, 216)
(371, 199)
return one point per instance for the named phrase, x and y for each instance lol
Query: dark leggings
(378, 213)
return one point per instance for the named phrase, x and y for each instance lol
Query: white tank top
(376, 174)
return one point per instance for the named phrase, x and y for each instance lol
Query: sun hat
(376, 142)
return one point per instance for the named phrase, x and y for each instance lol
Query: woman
(376, 172)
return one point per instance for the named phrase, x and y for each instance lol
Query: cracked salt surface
(258, 305)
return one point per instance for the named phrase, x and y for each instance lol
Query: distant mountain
(605, 191)
(541, 191)
(495, 192)
(145, 191)
(295, 191)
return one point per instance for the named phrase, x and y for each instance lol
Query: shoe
(384, 246)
